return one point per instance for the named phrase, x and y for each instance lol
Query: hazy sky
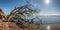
(45, 6)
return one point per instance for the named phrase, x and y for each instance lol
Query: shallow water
(50, 19)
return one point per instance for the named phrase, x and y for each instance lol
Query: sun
(47, 1)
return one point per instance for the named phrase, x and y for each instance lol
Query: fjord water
(51, 19)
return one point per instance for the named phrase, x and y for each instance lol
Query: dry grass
(13, 26)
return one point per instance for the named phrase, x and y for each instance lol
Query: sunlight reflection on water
(48, 27)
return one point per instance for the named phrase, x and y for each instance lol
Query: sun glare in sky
(47, 1)
(46, 7)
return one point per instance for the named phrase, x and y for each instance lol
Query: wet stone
(1, 27)
(10, 26)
